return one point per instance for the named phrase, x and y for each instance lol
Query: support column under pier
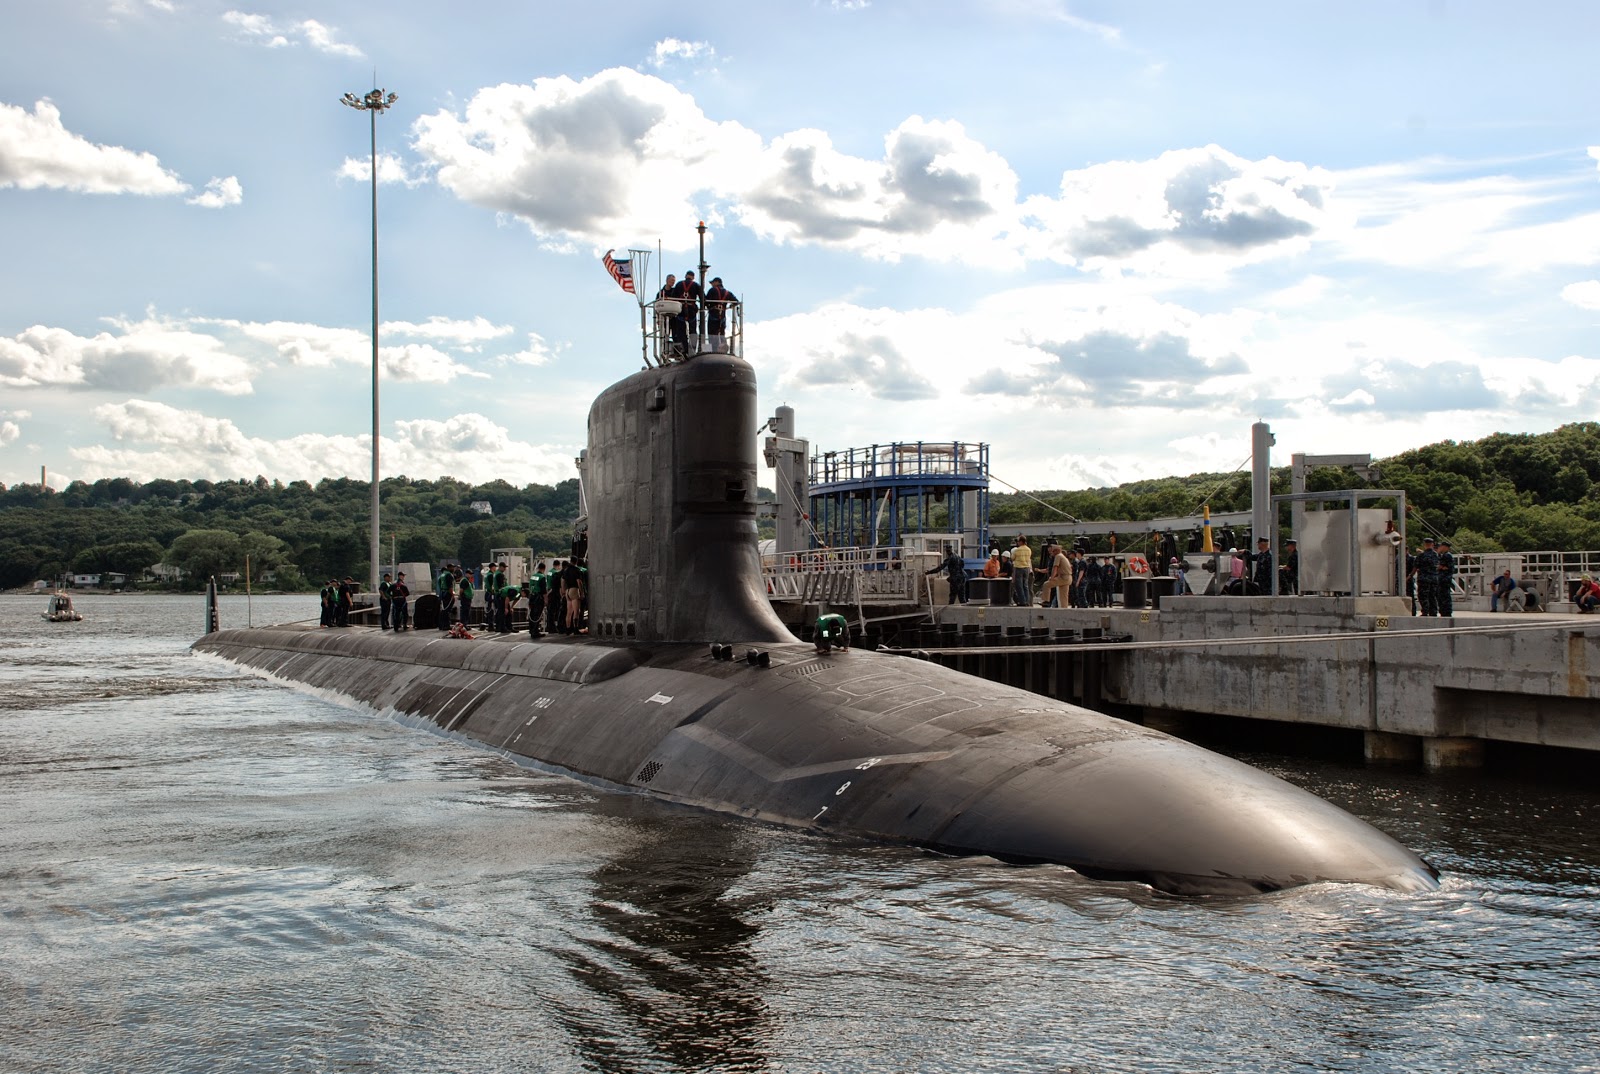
(1386, 747)
(1440, 753)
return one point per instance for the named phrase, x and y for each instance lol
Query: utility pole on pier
(373, 103)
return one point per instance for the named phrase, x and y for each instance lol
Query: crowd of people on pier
(553, 599)
(1074, 577)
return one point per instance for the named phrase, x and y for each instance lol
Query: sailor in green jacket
(505, 597)
(488, 597)
(385, 600)
(446, 589)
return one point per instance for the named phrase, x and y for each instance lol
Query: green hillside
(304, 533)
(1506, 492)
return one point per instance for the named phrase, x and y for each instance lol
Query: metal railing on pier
(1553, 574)
(846, 576)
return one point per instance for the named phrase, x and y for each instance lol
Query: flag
(621, 271)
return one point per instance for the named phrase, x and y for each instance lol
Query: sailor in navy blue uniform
(955, 569)
(1262, 557)
(1447, 574)
(1428, 578)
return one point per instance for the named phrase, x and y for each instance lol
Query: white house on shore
(105, 579)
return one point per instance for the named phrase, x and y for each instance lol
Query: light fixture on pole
(373, 103)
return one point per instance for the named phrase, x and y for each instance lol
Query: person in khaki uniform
(1060, 577)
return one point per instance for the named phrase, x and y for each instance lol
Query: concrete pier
(1417, 687)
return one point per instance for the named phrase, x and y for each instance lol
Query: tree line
(1507, 492)
(302, 533)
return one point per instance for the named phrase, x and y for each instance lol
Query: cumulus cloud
(624, 153)
(219, 193)
(128, 8)
(882, 354)
(422, 363)
(141, 357)
(1136, 379)
(1585, 295)
(1446, 215)
(9, 431)
(670, 50)
(37, 151)
(1119, 368)
(155, 440)
(224, 355)
(298, 343)
(619, 153)
(537, 352)
(1050, 348)
(1190, 202)
(315, 345)
(262, 30)
(1399, 387)
(477, 330)
(391, 169)
(936, 192)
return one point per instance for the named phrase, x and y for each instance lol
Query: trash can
(1162, 585)
(1000, 592)
(1134, 591)
(979, 590)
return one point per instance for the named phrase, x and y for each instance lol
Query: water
(200, 871)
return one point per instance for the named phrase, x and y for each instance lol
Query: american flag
(621, 271)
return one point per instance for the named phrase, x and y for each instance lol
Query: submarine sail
(849, 741)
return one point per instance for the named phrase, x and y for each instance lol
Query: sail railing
(676, 332)
(845, 575)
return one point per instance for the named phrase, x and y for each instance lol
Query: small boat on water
(60, 610)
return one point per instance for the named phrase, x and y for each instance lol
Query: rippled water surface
(201, 871)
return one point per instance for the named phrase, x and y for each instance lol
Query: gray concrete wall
(1541, 687)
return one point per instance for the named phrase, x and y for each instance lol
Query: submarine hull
(850, 741)
(857, 742)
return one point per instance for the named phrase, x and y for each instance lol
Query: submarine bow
(851, 741)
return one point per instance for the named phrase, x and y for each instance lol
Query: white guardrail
(860, 576)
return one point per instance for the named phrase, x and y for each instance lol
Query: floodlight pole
(373, 103)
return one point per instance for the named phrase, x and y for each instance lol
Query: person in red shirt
(1588, 595)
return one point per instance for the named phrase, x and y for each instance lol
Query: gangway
(876, 577)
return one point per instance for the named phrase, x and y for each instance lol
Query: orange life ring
(1138, 565)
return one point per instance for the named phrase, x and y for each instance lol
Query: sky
(1103, 238)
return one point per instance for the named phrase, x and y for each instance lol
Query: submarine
(690, 689)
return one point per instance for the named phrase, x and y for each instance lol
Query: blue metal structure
(887, 494)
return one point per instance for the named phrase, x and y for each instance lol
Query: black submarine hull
(852, 741)
(876, 746)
